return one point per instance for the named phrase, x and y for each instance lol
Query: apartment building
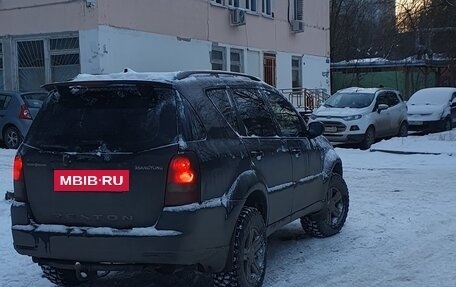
(284, 42)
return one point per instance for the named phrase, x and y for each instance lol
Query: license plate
(416, 123)
(330, 129)
(91, 180)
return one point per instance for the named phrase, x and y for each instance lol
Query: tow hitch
(84, 273)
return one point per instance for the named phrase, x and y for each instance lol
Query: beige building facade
(284, 42)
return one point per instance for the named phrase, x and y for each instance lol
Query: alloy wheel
(253, 257)
(336, 207)
(12, 138)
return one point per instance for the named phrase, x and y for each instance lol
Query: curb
(410, 152)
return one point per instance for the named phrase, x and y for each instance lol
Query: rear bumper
(180, 238)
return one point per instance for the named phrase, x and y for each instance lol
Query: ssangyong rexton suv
(192, 168)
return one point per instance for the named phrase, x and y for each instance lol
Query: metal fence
(306, 100)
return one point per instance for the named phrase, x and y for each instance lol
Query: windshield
(430, 97)
(349, 100)
(34, 100)
(111, 119)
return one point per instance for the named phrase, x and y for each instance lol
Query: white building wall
(254, 63)
(108, 50)
(315, 72)
(89, 51)
(283, 70)
(120, 48)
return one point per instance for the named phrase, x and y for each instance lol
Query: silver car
(360, 115)
(17, 111)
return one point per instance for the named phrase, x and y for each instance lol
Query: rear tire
(60, 277)
(369, 138)
(248, 245)
(330, 220)
(403, 130)
(12, 137)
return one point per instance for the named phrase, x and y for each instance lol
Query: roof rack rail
(186, 74)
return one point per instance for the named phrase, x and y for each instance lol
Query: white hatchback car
(432, 109)
(360, 115)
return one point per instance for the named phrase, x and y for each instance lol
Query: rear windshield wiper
(48, 147)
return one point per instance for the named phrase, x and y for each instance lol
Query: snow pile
(400, 230)
(129, 75)
(440, 143)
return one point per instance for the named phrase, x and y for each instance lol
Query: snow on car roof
(439, 95)
(359, 90)
(128, 75)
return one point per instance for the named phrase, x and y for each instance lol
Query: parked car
(17, 110)
(360, 115)
(432, 109)
(130, 170)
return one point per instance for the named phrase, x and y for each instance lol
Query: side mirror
(315, 129)
(382, 107)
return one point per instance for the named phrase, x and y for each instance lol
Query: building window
(267, 7)
(218, 2)
(31, 70)
(269, 69)
(218, 58)
(51, 59)
(64, 58)
(234, 3)
(296, 72)
(237, 60)
(298, 10)
(250, 5)
(1, 67)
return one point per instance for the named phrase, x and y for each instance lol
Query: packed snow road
(401, 230)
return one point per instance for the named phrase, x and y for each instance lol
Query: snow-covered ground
(401, 229)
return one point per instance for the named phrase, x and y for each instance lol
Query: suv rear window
(111, 119)
(34, 100)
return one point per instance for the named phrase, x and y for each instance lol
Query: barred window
(218, 58)
(51, 59)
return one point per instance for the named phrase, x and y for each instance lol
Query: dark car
(131, 170)
(17, 110)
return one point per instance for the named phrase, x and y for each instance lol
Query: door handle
(258, 154)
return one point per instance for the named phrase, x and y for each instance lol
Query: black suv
(137, 170)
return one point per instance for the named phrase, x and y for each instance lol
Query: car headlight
(313, 117)
(352, 118)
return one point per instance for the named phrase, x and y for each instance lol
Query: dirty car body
(138, 169)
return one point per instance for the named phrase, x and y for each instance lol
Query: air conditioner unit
(237, 17)
(297, 26)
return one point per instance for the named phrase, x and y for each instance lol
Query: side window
(7, 101)
(3, 101)
(221, 101)
(392, 99)
(254, 113)
(289, 122)
(194, 129)
(382, 99)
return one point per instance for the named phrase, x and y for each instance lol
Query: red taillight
(181, 170)
(17, 170)
(182, 185)
(25, 113)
